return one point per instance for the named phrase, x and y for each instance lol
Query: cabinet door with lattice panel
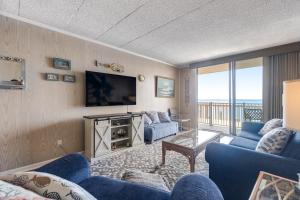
(102, 137)
(137, 132)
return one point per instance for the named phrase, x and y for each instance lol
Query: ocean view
(248, 101)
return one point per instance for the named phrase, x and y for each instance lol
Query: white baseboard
(31, 167)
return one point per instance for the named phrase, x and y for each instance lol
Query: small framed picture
(69, 78)
(60, 63)
(52, 77)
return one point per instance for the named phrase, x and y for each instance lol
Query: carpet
(147, 158)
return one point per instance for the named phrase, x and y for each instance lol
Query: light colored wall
(32, 120)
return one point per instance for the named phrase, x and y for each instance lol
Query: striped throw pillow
(274, 141)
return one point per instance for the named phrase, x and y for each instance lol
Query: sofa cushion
(153, 116)
(113, 189)
(164, 117)
(270, 125)
(147, 179)
(10, 191)
(249, 135)
(160, 130)
(244, 142)
(292, 149)
(147, 120)
(48, 185)
(274, 141)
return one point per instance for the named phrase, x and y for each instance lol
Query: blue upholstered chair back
(292, 150)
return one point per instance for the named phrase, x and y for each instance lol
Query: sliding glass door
(248, 91)
(213, 98)
(229, 94)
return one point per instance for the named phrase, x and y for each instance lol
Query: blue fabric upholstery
(244, 142)
(193, 186)
(292, 150)
(157, 131)
(250, 135)
(252, 127)
(111, 189)
(75, 168)
(235, 167)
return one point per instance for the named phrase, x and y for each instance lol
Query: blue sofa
(235, 167)
(75, 168)
(157, 131)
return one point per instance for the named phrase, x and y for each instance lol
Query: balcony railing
(217, 114)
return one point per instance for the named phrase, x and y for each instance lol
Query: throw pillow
(147, 120)
(274, 141)
(270, 125)
(164, 117)
(147, 179)
(48, 185)
(153, 116)
(10, 191)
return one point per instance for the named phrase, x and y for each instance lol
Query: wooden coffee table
(189, 144)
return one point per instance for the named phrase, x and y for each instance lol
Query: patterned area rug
(147, 158)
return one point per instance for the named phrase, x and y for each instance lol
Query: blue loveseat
(157, 131)
(75, 168)
(235, 167)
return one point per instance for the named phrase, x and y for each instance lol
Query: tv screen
(109, 90)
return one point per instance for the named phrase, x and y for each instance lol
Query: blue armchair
(235, 167)
(75, 167)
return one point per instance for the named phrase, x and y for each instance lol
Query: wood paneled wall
(32, 120)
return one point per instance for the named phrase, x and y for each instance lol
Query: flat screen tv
(109, 89)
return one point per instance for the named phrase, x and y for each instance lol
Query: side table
(269, 186)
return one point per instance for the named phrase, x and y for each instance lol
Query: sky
(215, 85)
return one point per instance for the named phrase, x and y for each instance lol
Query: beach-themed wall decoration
(165, 87)
(52, 77)
(69, 78)
(113, 66)
(60, 63)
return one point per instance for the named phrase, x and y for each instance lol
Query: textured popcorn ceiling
(173, 31)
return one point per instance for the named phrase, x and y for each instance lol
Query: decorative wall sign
(165, 87)
(13, 59)
(141, 77)
(12, 72)
(113, 66)
(60, 63)
(69, 78)
(52, 77)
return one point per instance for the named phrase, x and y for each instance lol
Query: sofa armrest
(233, 168)
(72, 167)
(252, 127)
(195, 187)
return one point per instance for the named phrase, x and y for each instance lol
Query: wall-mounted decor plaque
(60, 63)
(69, 78)
(52, 77)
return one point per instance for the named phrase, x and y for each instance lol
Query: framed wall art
(60, 63)
(164, 87)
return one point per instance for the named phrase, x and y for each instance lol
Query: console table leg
(163, 155)
(192, 163)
